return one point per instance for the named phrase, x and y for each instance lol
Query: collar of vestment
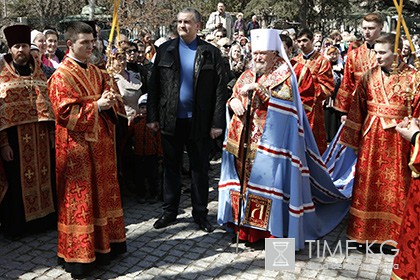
(276, 76)
(78, 61)
(308, 56)
(370, 46)
(388, 104)
(24, 99)
(23, 70)
(386, 71)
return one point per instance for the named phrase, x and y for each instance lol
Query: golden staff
(408, 93)
(112, 67)
(404, 24)
(397, 36)
(407, 33)
(115, 24)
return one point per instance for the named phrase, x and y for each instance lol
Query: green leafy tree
(41, 13)
(279, 10)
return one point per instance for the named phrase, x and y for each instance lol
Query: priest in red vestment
(382, 175)
(407, 262)
(26, 140)
(359, 61)
(304, 77)
(90, 215)
(322, 76)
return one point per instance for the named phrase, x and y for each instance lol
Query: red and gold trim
(35, 171)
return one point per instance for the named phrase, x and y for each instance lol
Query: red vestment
(90, 215)
(382, 175)
(306, 86)
(358, 62)
(146, 141)
(26, 122)
(323, 80)
(408, 258)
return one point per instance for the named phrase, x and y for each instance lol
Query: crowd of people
(78, 128)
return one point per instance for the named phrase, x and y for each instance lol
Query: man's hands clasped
(106, 101)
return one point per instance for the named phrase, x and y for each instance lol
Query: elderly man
(220, 19)
(269, 149)
(253, 24)
(26, 138)
(186, 101)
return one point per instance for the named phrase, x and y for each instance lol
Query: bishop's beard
(260, 67)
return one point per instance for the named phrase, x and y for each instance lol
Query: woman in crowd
(53, 56)
(328, 42)
(245, 47)
(148, 43)
(237, 61)
(318, 46)
(129, 84)
(38, 49)
(332, 116)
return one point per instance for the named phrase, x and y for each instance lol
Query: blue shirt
(186, 92)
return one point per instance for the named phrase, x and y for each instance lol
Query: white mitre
(268, 40)
(264, 39)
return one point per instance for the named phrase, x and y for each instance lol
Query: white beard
(260, 67)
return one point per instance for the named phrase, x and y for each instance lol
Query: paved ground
(183, 252)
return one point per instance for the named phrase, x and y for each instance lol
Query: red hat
(17, 34)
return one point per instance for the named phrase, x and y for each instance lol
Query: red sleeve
(324, 83)
(73, 112)
(344, 96)
(306, 86)
(352, 131)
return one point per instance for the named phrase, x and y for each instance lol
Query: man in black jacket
(187, 99)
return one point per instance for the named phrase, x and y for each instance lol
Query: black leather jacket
(210, 89)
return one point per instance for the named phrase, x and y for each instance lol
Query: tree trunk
(91, 9)
(303, 14)
(4, 9)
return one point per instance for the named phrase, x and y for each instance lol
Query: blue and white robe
(292, 191)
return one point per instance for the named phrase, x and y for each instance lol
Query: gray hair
(194, 12)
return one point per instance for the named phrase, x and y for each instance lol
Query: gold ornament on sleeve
(410, 89)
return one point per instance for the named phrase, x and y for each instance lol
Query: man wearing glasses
(134, 54)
